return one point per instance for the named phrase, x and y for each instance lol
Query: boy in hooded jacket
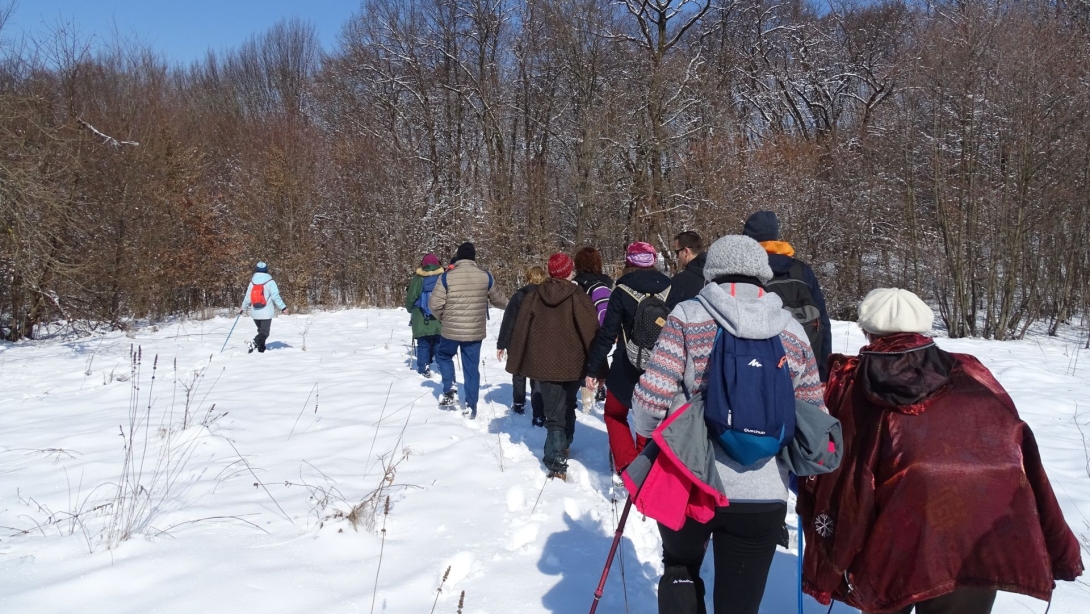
(553, 334)
(262, 298)
(426, 327)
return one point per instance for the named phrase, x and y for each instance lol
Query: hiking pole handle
(612, 553)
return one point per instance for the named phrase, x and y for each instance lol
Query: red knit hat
(641, 254)
(560, 266)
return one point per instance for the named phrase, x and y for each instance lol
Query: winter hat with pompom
(261, 268)
(560, 266)
(737, 255)
(642, 255)
(886, 311)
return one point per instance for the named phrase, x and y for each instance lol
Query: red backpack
(257, 296)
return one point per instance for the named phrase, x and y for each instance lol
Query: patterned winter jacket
(678, 370)
(460, 301)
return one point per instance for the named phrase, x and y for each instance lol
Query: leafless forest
(943, 147)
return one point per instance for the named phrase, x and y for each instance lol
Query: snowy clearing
(269, 495)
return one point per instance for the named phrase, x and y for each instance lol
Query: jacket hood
(555, 291)
(782, 248)
(904, 372)
(749, 312)
(430, 270)
(645, 281)
(261, 278)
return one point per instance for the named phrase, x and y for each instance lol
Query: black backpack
(798, 300)
(647, 323)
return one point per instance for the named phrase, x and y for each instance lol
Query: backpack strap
(490, 280)
(636, 295)
(443, 278)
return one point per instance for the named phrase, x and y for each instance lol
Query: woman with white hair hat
(941, 498)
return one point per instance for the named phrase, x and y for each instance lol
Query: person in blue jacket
(263, 299)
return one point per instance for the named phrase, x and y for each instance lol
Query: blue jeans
(426, 348)
(471, 361)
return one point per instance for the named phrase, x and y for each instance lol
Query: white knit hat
(891, 310)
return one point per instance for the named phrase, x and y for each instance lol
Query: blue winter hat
(261, 268)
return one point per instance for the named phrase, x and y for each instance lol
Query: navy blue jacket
(780, 265)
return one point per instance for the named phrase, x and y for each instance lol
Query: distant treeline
(941, 146)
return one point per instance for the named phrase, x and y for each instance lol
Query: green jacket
(416, 287)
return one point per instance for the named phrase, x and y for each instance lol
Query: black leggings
(961, 601)
(744, 537)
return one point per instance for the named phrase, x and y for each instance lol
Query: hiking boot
(427, 373)
(562, 475)
(538, 421)
(470, 412)
(519, 408)
(250, 347)
(448, 399)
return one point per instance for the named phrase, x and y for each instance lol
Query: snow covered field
(252, 502)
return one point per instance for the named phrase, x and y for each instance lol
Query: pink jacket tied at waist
(675, 478)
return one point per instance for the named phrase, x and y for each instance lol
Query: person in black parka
(689, 249)
(641, 277)
(534, 275)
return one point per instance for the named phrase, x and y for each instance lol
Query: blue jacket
(272, 297)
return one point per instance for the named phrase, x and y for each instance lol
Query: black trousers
(558, 401)
(263, 328)
(961, 601)
(743, 538)
(518, 395)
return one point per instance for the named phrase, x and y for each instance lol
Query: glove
(284, 311)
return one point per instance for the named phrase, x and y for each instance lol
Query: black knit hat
(466, 251)
(762, 226)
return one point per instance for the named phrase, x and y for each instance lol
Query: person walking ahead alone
(555, 328)
(460, 301)
(262, 299)
(426, 327)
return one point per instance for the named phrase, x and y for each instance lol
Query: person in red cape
(941, 498)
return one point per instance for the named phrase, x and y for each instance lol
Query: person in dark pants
(535, 275)
(555, 328)
(262, 299)
(745, 504)
(743, 548)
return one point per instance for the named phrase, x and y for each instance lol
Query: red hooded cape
(941, 486)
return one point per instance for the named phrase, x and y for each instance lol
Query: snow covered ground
(246, 505)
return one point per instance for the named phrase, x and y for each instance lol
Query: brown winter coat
(462, 303)
(553, 334)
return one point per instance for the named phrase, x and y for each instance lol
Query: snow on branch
(109, 140)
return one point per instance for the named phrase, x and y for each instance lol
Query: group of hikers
(918, 485)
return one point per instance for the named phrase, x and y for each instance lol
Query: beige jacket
(462, 304)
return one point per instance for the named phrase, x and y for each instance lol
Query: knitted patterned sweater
(680, 360)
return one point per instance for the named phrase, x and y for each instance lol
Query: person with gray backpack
(795, 283)
(635, 315)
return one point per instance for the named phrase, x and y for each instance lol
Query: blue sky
(182, 30)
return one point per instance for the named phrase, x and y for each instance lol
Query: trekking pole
(229, 333)
(612, 552)
(799, 526)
